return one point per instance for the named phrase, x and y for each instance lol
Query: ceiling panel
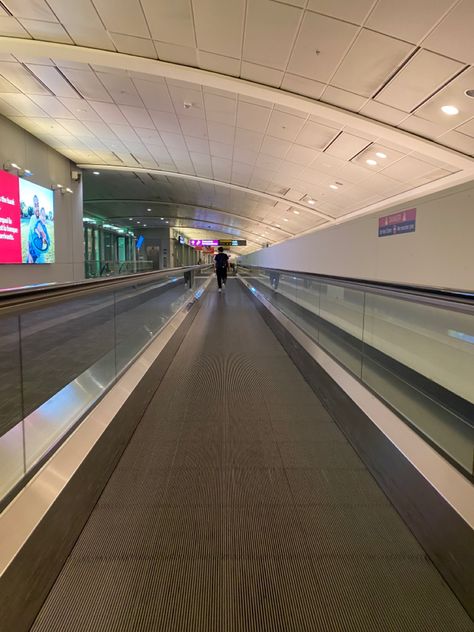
(382, 112)
(123, 17)
(270, 31)
(184, 55)
(134, 45)
(261, 74)
(328, 36)
(285, 126)
(219, 26)
(422, 15)
(83, 23)
(302, 85)
(20, 77)
(10, 27)
(109, 112)
(49, 31)
(219, 63)
(453, 36)
(343, 98)
(370, 60)
(315, 136)
(452, 94)
(121, 89)
(137, 117)
(24, 105)
(30, 9)
(87, 84)
(417, 80)
(154, 95)
(354, 11)
(345, 146)
(170, 21)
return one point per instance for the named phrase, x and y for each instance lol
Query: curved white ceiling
(376, 72)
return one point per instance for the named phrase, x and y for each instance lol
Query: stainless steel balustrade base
(40, 526)
(435, 500)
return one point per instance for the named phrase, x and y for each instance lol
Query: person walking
(221, 264)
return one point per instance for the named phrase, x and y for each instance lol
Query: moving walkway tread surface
(239, 505)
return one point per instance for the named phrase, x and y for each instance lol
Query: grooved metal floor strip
(240, 506)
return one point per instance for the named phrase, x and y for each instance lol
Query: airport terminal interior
(236, 316)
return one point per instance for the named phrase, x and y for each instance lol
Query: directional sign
(232, 242)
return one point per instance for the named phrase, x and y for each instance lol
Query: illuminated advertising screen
(26, 221)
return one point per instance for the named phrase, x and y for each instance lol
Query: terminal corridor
(239, 505)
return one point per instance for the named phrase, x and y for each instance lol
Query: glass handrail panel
(10, 373)
(12, 467)
(61, 341)
(435, 342)
(142, 310)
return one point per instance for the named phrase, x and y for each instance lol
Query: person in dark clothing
(221, 263)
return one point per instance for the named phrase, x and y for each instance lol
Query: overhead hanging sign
(226, 243)
(398, 223)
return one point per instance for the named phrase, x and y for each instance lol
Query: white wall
(48, 167)
(440, 253)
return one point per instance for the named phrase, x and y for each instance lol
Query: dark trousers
(221, 274)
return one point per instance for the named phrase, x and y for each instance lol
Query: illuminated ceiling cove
(270, 120)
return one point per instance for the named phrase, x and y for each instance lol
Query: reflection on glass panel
(11, 458)
(307, 297)
(444, 428)
(10, 375)
(142, 310)
(48, 423)
(437, 343)
(343, 307)
(61, 341)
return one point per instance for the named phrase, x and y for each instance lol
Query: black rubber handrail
(450, 298)
(17, 297)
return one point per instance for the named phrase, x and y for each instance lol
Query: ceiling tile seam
(145, 19)
(6, 9)
(242, 41)
(63, 76)
(297, 34)
(103, 25)
(193, 22)
(343, 55)
(439, 88)
(454, 4)
(397, 70)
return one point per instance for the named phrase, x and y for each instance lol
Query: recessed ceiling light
(148, 209)
(277, 225)
(311, 201)
(380, 154)
(144, 224)
(333, 186)
(130, 218)
(273, 227)
(285, 219)
(167, 222)
(96, 173)
(296, 212)
(450, 110)
(370, 161)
